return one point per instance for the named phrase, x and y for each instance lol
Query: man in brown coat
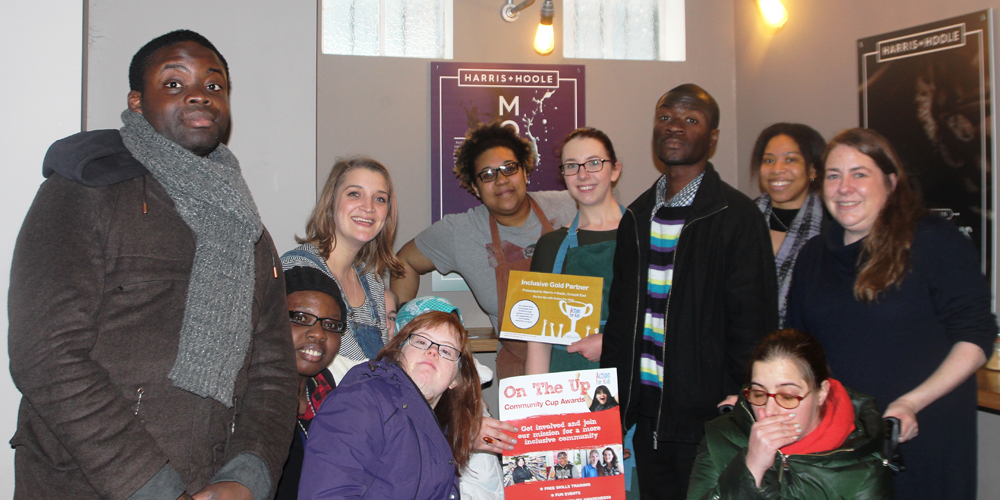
(149, 335)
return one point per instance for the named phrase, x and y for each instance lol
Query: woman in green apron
(586, 247)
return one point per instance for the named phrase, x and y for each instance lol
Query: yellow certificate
(551, 308)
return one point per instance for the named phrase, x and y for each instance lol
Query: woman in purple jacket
(402, 425)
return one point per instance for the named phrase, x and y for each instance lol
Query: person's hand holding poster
(569, 436)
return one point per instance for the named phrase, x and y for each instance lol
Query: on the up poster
(551, 308)
(569, 436)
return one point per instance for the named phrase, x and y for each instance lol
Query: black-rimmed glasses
(758, 397)
(423, 343)
(489, 174)
(593, 166)
(329, 324)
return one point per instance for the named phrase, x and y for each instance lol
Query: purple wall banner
(543, 102)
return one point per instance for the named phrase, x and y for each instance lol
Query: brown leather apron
(512, 353)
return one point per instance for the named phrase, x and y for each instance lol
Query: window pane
(350, 27)
(414, 28)
(623, 29)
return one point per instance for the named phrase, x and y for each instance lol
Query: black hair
(811, 145)
(484, 137)
(141, 59)
(310, 279)
(690, 89)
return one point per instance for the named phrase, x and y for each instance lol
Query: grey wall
(42, 86)
(271, 51)
(807, 72)
(380, 106)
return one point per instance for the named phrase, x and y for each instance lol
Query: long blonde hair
(377, 254)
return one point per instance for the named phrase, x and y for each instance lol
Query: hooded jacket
(376, 437)
(722, 301)
(98, 291)
(853, 470)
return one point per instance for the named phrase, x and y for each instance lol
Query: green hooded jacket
(854, 470)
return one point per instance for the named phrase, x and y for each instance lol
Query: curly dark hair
(141, 59)
(484, 137)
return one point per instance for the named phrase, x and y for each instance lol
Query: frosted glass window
(396, 28)
(624, 29)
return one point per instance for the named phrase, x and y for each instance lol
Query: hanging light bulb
(545, 39)
(774, 13)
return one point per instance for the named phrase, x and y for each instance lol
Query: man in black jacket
(694, 289)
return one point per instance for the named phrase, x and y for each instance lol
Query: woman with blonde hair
(349, 237)
(898, 300)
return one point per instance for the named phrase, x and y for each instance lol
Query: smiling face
(361, 207)
(563, 459)
(681, 130)
(784, 175)
(594, 457)
(315, 347)
(505, 196)
(186, 96)
(589, 188)
(608, 456)
(855, 189)
(431, 373)
(782, 375)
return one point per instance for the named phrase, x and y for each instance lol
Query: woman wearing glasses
(349, 237)
(418, 400)
(587, 247)
(794, 433)
(315, 309)
(490, 240)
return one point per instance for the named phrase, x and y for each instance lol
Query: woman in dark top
(587, 247)
(610, 465)
(785, 160)
(520, 473)
(603, 400)
(898, 300)
(315, 309)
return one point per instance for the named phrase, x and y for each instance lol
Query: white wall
(271, 51)
(42, 61)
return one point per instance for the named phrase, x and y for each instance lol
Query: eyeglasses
(423, 343)
(758, 397)
(592, 166)
(489, 174)
(329, 324)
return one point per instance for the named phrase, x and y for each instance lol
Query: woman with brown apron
(493, 163)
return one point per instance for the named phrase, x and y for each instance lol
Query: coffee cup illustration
(575, 311)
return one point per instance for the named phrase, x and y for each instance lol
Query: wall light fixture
(774, 13)
(545, 40)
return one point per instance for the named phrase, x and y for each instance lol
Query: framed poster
(544, 102)
(928, 89)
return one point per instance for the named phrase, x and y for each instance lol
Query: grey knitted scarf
(213, 199)
(805, 225)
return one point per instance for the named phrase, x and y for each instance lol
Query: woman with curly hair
(492, 239)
